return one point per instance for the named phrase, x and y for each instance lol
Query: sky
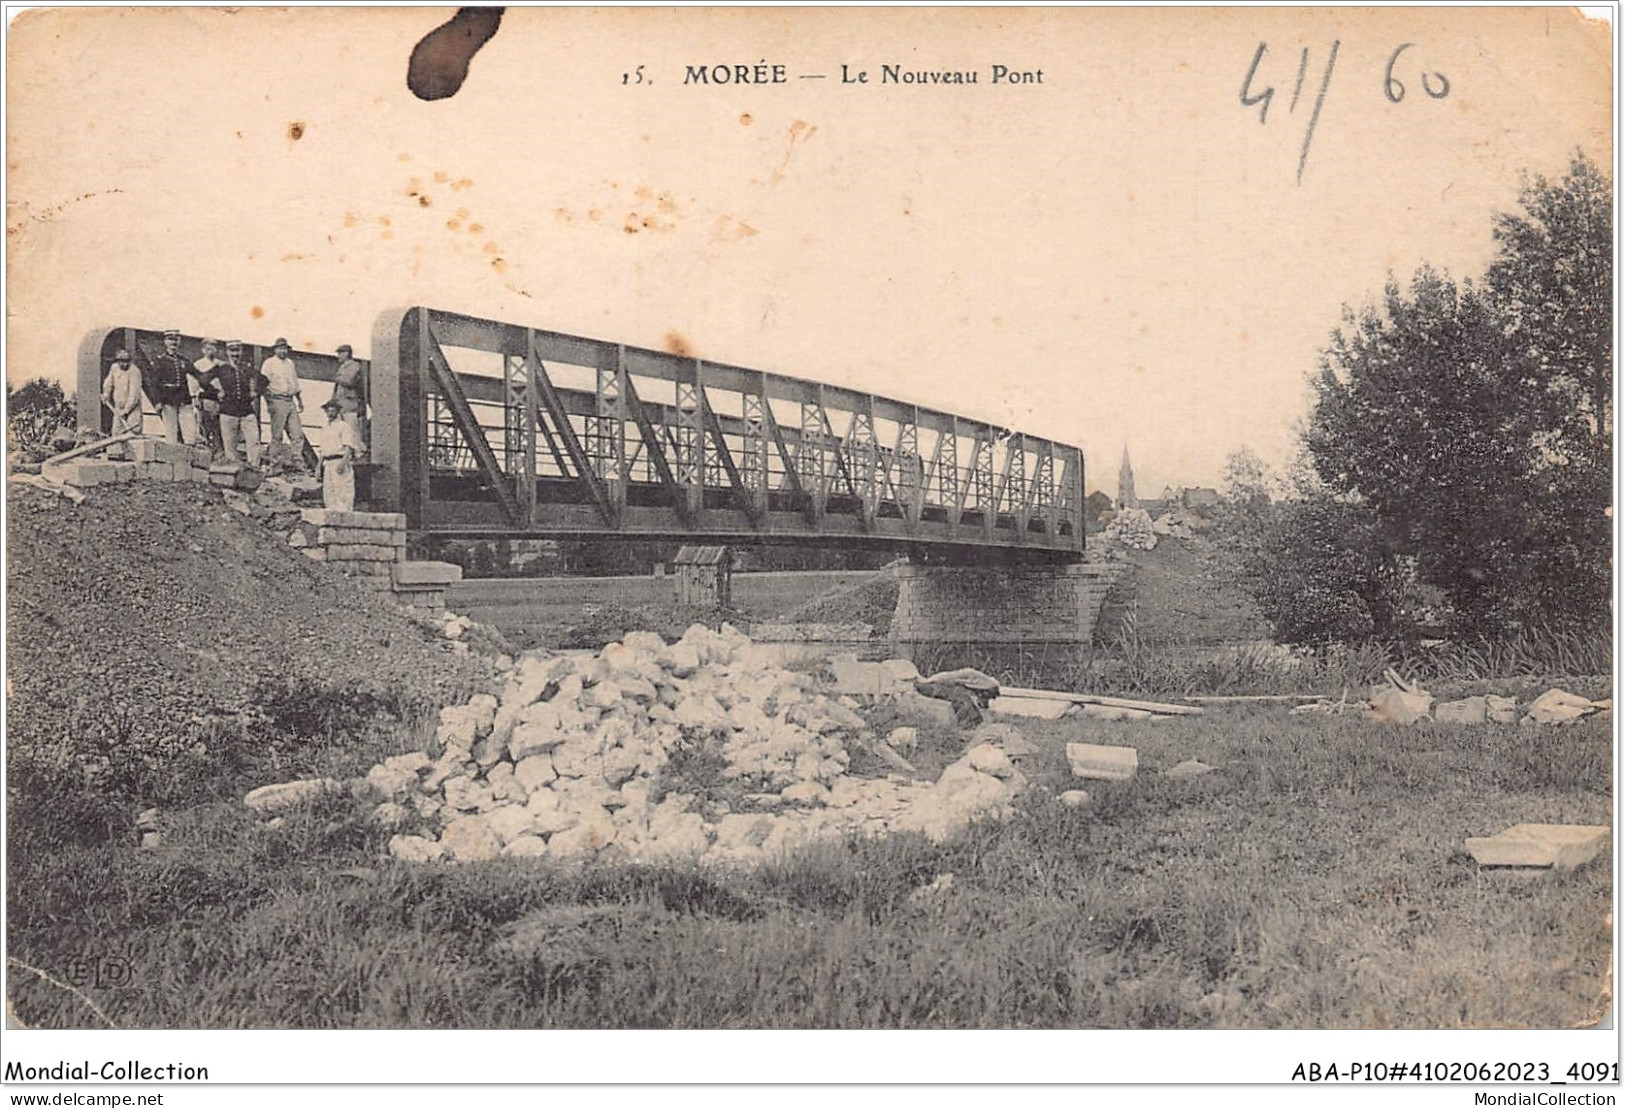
(1117, 253)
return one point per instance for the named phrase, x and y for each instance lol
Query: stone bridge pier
(959, 611)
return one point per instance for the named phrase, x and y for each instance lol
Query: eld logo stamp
(100, 970)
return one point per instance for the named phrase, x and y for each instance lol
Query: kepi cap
(280, 342)
(345, 349)
(211, 342)
(172, 334)
(122, 356)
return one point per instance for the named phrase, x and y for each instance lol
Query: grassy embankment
(1316, 880)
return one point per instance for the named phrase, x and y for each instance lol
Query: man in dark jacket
(166, 381)
(239, 386)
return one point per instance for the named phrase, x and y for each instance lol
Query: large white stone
(453, 763)
(549, 814)
(510, 822)
(701, 713)
(1473, 709)
(578, 760)
(1555, 706)
(592, 834)
(413, 762)
(270, 800)
(903, 739)
(503, 784)
(743, 830)
(1102, 763)
(526, 846)
(1393, 705)
(683, 659)
(1024, 707)
(680, 838)
(470, 839)
(534, 738)
(806, 792)
(390, 783)
(987, 758)
(466, 795)
(534, 772)
(1563, 846)
(621, 763)
(415, 848)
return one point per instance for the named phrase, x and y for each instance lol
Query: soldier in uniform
(239, 386)
(167, 388)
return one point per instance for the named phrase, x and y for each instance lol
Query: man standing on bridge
(239, 388)
(282, 397)
(337, 446)
(350, 390)
(167, 385)
(121, 391)
(205, 400)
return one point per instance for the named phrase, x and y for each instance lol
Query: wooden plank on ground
(1282, 698)
(1107, 701)
(90, 448)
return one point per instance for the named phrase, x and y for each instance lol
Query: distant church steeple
(1125, 484)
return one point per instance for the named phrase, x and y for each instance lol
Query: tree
(34, 413)
(1325, 570)
(1473, 421)
(1249, 486)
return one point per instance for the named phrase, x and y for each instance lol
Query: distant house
(1095, 505)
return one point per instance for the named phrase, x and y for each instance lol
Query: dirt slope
(147, 610)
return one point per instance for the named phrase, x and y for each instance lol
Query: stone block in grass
(1544, 845)
(1102, 763)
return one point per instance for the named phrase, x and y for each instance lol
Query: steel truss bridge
(484, 428)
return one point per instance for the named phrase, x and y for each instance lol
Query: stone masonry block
(361, 569)
(143, 450)
(331, 517)
(358, 536)
(156, 471)
(87, 474)
(345, 552)
(314, 553)
(427, 573)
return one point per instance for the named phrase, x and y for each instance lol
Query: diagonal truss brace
(473, 434)
(549, 396)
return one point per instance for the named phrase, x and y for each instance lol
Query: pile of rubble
(1404, 702)
(1133, 528)
(1181, 523)
(600, 756)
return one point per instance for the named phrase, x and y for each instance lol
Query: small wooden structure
(704, 576)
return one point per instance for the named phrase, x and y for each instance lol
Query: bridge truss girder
(481, 427)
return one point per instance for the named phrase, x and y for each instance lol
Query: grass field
(1316, 880)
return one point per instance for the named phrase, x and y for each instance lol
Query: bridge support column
(962, 614)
